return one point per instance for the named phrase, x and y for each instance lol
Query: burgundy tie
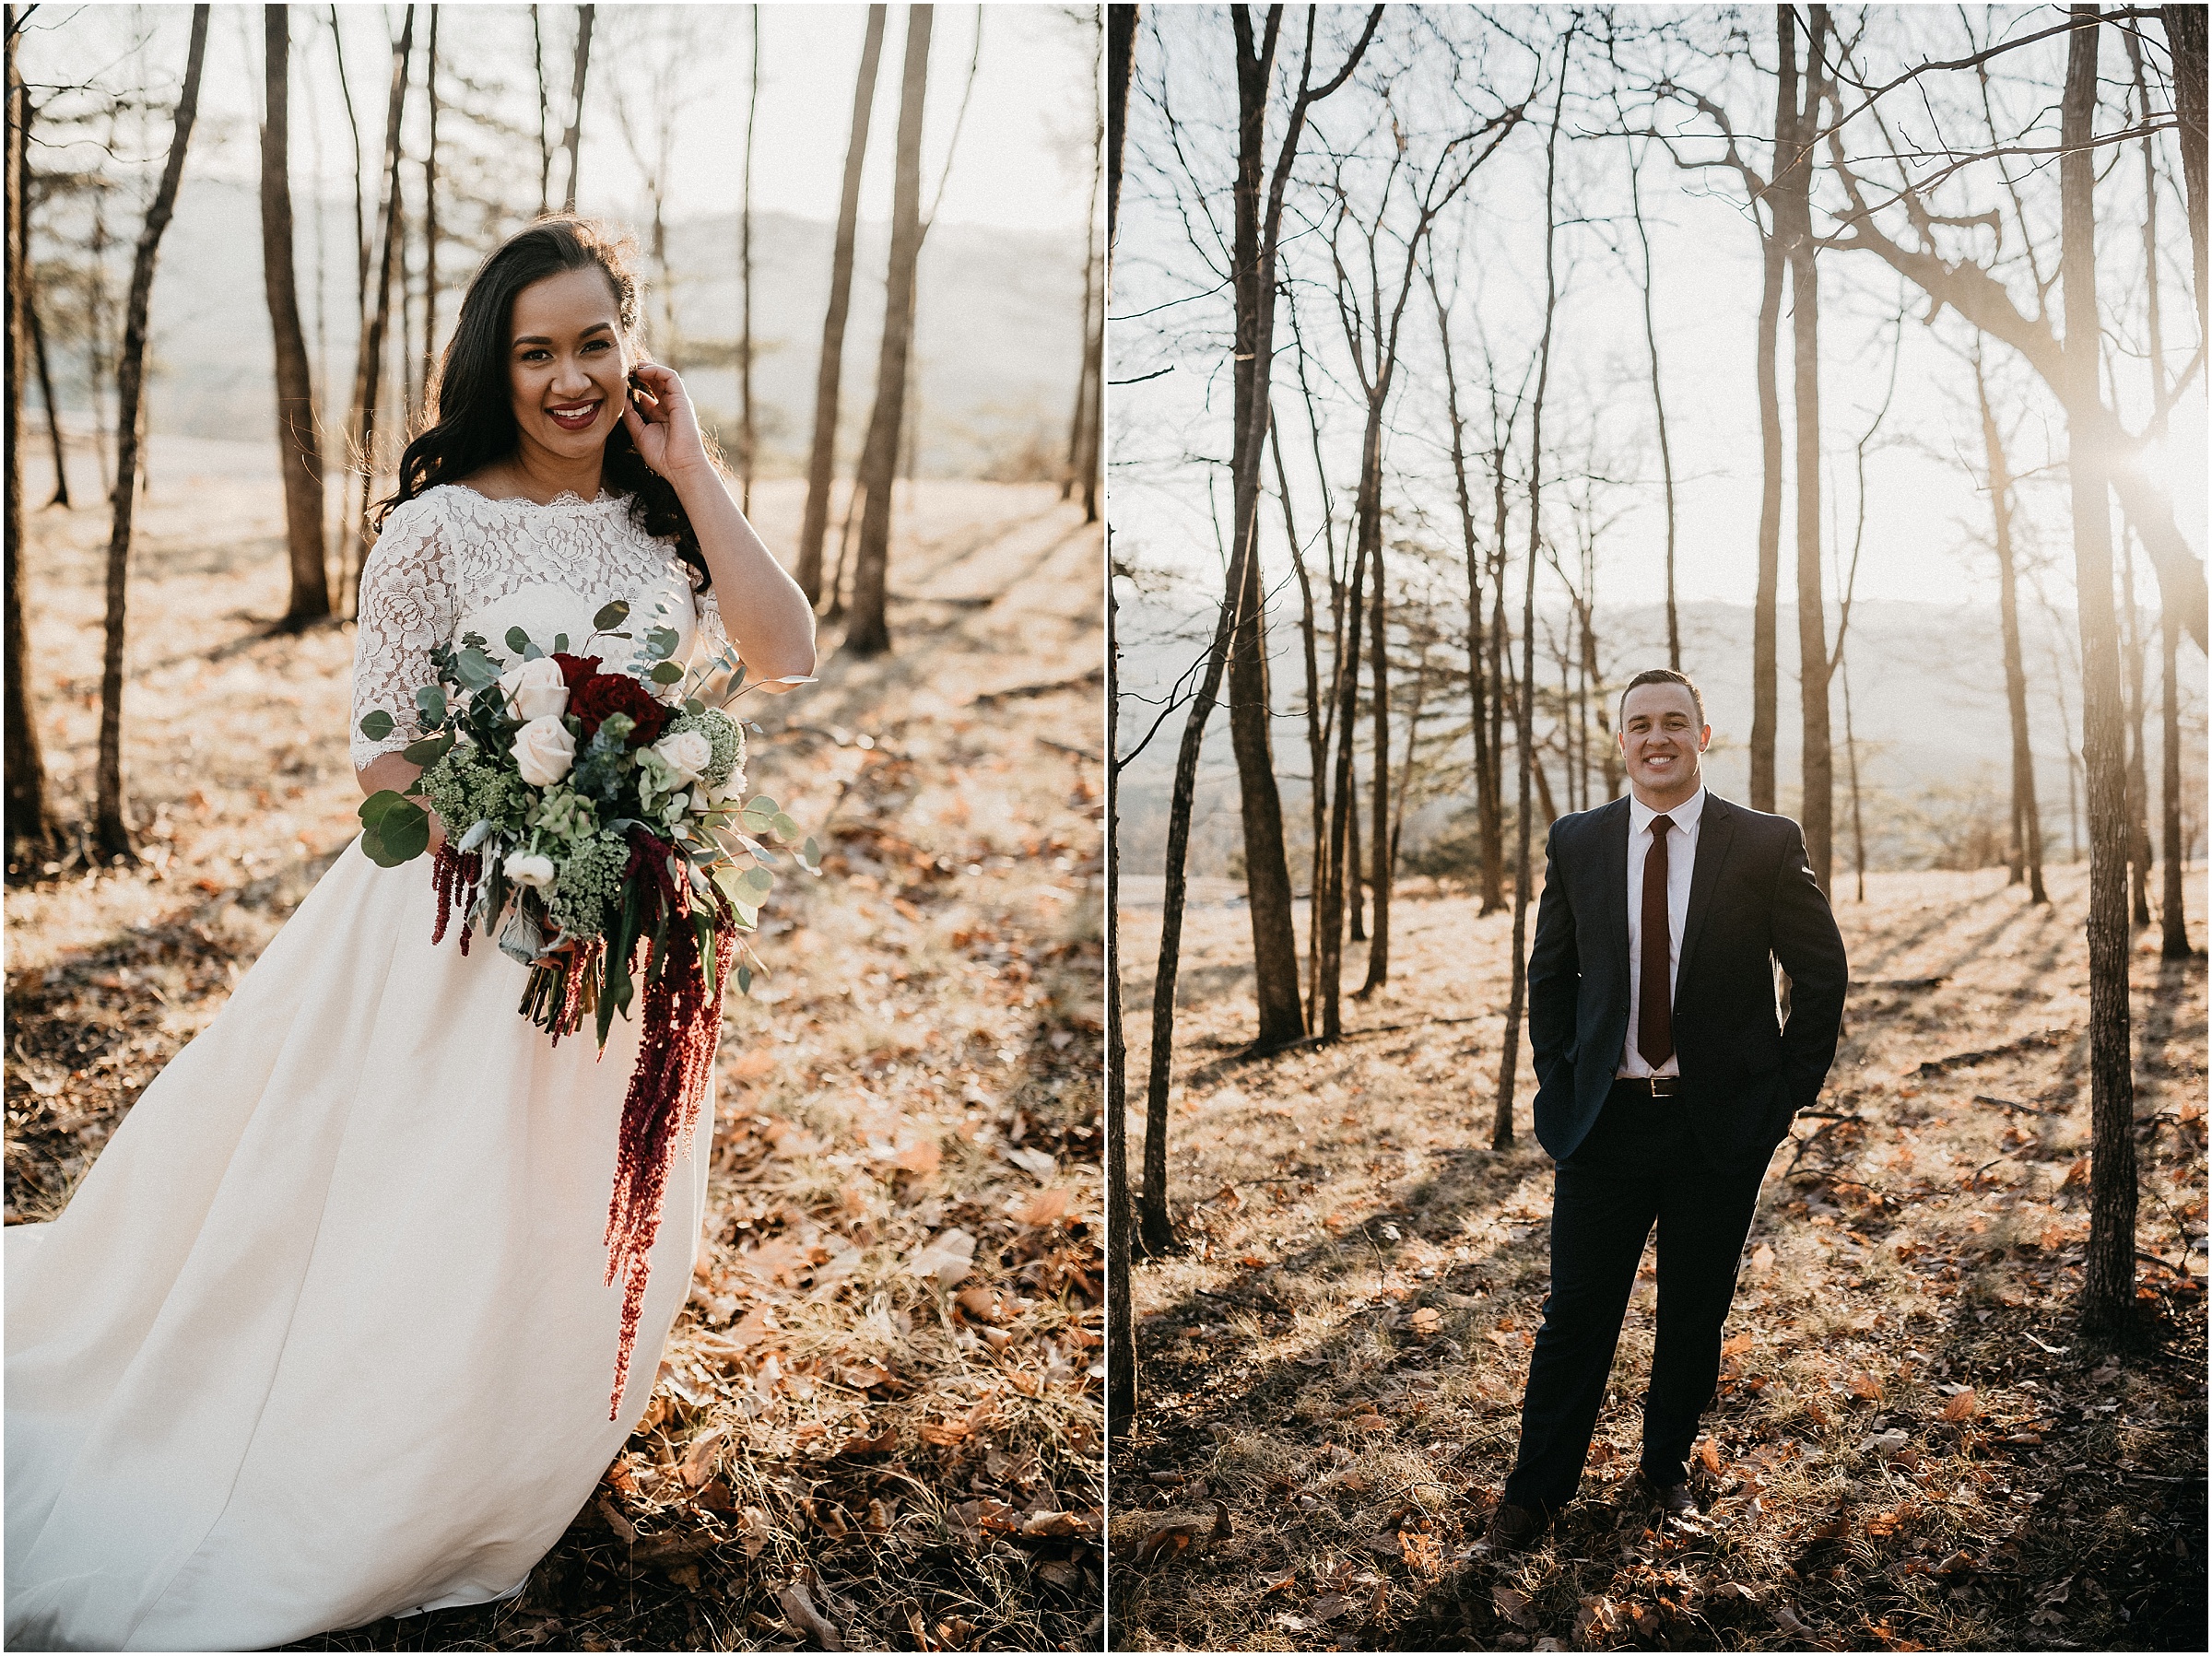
(1654, 1008)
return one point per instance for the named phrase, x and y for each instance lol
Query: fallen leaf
(1708, 1455)
(1734, 1345)
(1762, 1259)
(861, 1376)
(1963, 1406)
(883, 1443)
(979, 1303)
(923, 1157)
(1868, 1386)
(1167, 1540)
(755, 1530)
(615, 1521)
(1048, 1206)
(948, 1256)
(942, 1437)
(1327, 1607)
(1282, 1583)
(1426, 1320)
(1512, 1604)
(697, 1464)
(799, 1610)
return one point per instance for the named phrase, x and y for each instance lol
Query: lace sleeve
(406, 606)
(712, 638)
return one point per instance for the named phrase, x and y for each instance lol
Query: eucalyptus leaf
(393, 829)
(517, 639)
(758, 879)
(786, 827)
(694, 706)
(430, 700)
(560, 643)
(661, 642)
(613, 615)
(763, 805)
(476, 670)
(428, 750)
(810, 853)
(744, 980)
(376, 726)
(531, 653)
(668, 672)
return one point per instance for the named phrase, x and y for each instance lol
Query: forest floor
(1912, 1446)
(866, 1435)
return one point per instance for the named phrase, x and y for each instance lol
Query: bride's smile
(567, 367)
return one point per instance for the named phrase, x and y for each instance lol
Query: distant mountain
(1928, 705)
(997, 346)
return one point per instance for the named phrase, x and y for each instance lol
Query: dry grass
(915, 1462)
(1338, 1358)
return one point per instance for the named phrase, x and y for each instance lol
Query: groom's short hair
(1662, 675)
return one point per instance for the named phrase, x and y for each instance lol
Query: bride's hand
(664, 428)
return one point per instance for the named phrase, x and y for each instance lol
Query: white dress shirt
(1681, 862)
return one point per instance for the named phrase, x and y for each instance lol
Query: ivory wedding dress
(324, 1334)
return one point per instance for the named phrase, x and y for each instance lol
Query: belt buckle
(1665, 1087)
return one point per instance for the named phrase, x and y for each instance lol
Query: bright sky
(1024, 154)
(1922, 505)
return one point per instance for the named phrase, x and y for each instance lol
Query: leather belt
(1648, 1086)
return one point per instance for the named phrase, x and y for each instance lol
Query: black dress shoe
(1515, 1529)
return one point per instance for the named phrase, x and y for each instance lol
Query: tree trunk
(749, 428)
(2109, 1280)
(1378, 653)
(1493, 826)
(822, 458)
(1343, 804)
(1817, 808)
(21, 277)
(298, 446)
(1502, 1126)
(1154, 1224)
(1666, 458)
(1851, 750)
(368, 365)
(545, 136)
(574, 138)
(111, 830)
(2138, 778)
(866, 632)
(31, 835)
(2185, 40)
(1317, 741)
(2026, 816)
(430, 224)
(1094, 372)
(1121, 1337)
(1486, 801)
(2173, 920)
(1356, 868)
(1765, 718)
(1120, 58)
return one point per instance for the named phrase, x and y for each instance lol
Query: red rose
(595, 697)
(575, 669)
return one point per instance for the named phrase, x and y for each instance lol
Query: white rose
(543, 750)
(536, 689)
(733, 785)
(526, 868)
(687, 753)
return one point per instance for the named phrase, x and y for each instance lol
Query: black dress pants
(1639, 1165)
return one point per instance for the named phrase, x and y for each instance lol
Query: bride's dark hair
(473, 424)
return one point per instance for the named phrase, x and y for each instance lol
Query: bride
(325, 1336)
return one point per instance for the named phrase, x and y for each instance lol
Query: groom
(1665, 1078)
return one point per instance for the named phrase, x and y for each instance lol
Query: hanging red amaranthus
(681, 1025)
(456, 876)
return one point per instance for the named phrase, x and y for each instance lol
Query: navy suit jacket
(1752, 901)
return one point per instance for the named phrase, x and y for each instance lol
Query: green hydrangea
(589, 886)
(722, 733)
(566, 814)
(463, 790)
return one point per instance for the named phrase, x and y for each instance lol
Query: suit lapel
(1612, 836)
(1716, 827)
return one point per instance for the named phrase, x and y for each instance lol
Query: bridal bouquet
(596, 828)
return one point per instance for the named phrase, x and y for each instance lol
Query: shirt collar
(1685, 817)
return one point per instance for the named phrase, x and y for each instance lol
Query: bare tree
(866, 632)
(2027, 819)
(545, 137)
(299, 445)
(575, 138)
(1501, 1127)
(369, 361)
(1257, 211)
(111, 829)
(2138, 778)
(20, 181)
(428, 373)
(1121, 1338)
(30, 819)
(1666, 457)
(2186, 39)
(2108, 1277)
(822, 458)
(2173, 919)
(1793, 226)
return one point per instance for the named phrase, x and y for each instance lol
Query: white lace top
(452, 562)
